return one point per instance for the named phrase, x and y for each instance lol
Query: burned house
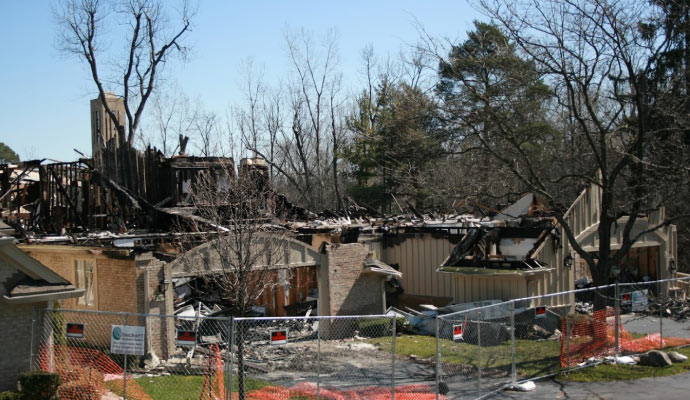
(123, 225)
(523, 254)
(120, 223)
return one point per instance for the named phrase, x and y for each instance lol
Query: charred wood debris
(137, 201)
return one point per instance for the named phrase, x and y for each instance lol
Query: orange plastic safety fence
(213, 388)
(309, 390)
(596, 337)
(84, 372)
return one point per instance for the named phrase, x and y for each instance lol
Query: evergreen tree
(7, 155)
(397, 138)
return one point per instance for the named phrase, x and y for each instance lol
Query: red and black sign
(279, 336)
(626, 298)
(457, 332)
(186, 338)
(540, 312)
(75, 330)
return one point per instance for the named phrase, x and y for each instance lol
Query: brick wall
(116, 278)
(157, 299)
(350, 291)
(16, 351)
(120, 282)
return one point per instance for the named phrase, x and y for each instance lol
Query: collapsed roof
(142, 205)
(505, 243)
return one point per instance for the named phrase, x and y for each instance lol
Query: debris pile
(677, 309)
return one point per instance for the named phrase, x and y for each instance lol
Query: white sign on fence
(279, 336)
(126, 339)
(639, 300)
(457, 332)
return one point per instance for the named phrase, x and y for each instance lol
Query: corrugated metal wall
(471, 288)
(418, 255)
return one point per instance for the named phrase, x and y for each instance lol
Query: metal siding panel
(432, 282)
(442, 256)
(466, 289)
(401, 259)
(439, 288)
(424, 255)
(419, 257)
(409, 251)
(404, 265)
(456, 293)
(441, 279)
(415, 271)
(472, 293)
(438, 281)
(448, 252)
(438, 259)
(464, 285)
(481, 288)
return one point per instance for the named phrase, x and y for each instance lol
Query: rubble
(622, 360)
(655, 358)
(677, 309)
(677, 357)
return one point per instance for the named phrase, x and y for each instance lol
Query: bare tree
(307, 146)
(597, 62)
(250, 119)
(242, 250)
(94, 31)
(207, 128)
(173, 115)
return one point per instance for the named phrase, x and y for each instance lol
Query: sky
(44, 107)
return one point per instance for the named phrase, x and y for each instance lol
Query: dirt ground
(340, 364)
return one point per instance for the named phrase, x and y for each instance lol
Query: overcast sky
(44, 106)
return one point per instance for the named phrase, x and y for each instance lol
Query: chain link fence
(478, 351)
(489, 348)
(137, 356)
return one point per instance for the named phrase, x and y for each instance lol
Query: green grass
(532, 358)
(181, 387)
(620, 372)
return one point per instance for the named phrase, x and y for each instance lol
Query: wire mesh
(348, 357)
(478, 351)
(80, 347)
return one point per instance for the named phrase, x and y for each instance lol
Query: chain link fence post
(567, 339)
(617, 319)
(228, 361)
(513, 371)
(438, 358)
(33, 327)
(124, 370)
(318, 358)
(661, 325)
(479, 352)
(393, 320)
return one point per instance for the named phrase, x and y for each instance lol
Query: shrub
(10, 396)
(39, 385)
(379, 327)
